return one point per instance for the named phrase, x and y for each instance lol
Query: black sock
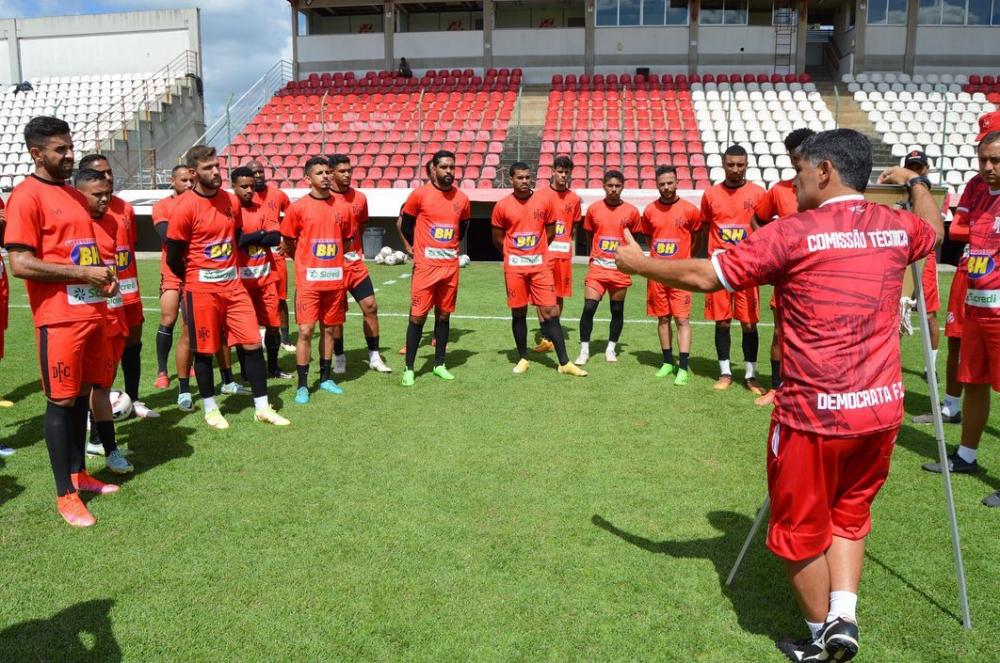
(253, 364)
(106, 431)
(751, 343)
(272, 342)
(338, 346)
(520, 328)
(668, 355)
(442, 328)
(775, 373)
(132, 369)
(95, 435)
(324, 369)
(414, 331)
(552, 328)
(723, 341)
(184, 385)
(58, 420)
(587, 319)
(283, 332)
(203, 375)
(78, 435)
(241, 356)
(617, 321)
(303, 372)
(164, 341)
(683, 363)
(226, 373)
(373, 344)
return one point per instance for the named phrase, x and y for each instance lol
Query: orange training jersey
(256, 262)
(779, 201)
(161, 214)
(128, 234)
(274, 203)
(438, 214)
(607, 225)
(566, 207)
(209, 225)
(52, 221)
(351, 208)
(727, 213)
(524, 223)
(669, 227)
(107, 232)
(319, 246)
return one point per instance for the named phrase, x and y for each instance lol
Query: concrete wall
(885, 46)
(744, 48)
(657, 47)
(318, 53)
(456, 50)
(959, 47)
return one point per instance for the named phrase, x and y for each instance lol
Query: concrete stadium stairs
(850, 116)
(525, 131)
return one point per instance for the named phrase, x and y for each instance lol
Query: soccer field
(496, 517)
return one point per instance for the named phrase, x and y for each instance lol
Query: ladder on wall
(785, 23)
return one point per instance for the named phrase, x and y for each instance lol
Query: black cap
(915, 156)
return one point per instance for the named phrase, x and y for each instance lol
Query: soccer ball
(400, 257)
(380, 259)
(385, 252)
(121, 405)
(391, 259)
(463, 260)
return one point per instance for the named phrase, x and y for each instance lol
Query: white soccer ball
(121, 405)
(380, 259)
(391, 259)
(463, 260)
(400, 257)
(385, 251)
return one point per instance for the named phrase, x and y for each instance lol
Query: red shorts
(562, 276)
(281, 269)
(209, 314)
(929, 280)
(603, 279)
(433, 287)
(821, 487)
(169, 281)
(744, 305)
(327, 307)
(73, 354)
(265, 304)
(956, 304)
(535, 288)
(115, 348)
(4, 303)
(133, 314)
(662, 301)
(979, 354)
(355, 274)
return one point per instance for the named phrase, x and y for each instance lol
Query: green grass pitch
(496, 517)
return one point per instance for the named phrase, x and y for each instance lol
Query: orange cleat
(162, 381)
(74, 511)
(723, 383)
(754, 387)
(766, 399)
(402, 350)
(83, 481)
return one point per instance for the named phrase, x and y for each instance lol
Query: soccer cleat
(840, 639)
(279, 375)
(331, 387)
(408, 378)
(235, 389)
(766, 399)
(302, 396)
(805, 650)
(992, 500)
(569, 368)
(215, 420)
(162, 381)
(269, 416)
(665, 370)
(288, 347)
(544, 345)
(521, 367)
(85, 482)
(582, 358)
(5, 451)
(95, 449)
(754, 387)
(144, 412)
(442, 373)
(6, 403)
(378, 365)
(185, 402)
(339, 364)
(723, 383)
(929, 418)
(610, 355)
(956, 465)
(74, 511)
(191, 375)
(116, 463)
(682, 378)
(402, 350)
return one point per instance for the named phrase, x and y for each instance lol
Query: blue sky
(240, 39)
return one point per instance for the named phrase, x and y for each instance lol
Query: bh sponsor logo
(524, 240)
(123, 259)
(85, 254)
(664, 248)
(219, 251)
(560, 228)
(256, 252)
(732, 234)
(326, 249)
(608, 244)
(440, 233)
(980, 265)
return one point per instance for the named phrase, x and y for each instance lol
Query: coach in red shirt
(837, 267)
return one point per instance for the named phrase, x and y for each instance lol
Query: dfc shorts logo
(732, 234)
(326, 249)
(524, 240)
(123, 259)
(664, 248)
(441, 233)
(980, 265)
(608, 245)
(219, 251)
(85, 254)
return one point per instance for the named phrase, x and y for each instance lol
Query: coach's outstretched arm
(921, 201)
(696, 275)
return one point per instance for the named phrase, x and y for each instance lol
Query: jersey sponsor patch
(123, 258)
(85, 254)
(606, 263)
(352, 256)
(983, 298)
(608, 245)
(559, 247)
(217, 275)
(525, 261)
(81, 293)
(441, 233)
(128, 286)
(665, 248)
(524, 240)
(255, 271)
(325, 274)
(440, 254)
(325, 249)
(219, 251)
(732, 234)
(980, 265)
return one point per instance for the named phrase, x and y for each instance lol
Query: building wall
(363, 52)
(961, 48)
(744, 48)
(660, 47)
(552, 47)
(454, 50)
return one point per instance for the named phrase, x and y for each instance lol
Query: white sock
(952, 405)
(209, 404)
(843, 604)
(724, 367)
(611, 347)
(373, 355)
(967, 454)
(751, 369)
(934, 357)
(340, 357)
(585, 347)
(814, 629)
(260, 403)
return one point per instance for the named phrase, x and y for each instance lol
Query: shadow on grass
(920, 439)
(909, 585)
(453, 359)
(762, 605)
(9, 487)
(79, 633)
(25, 390)
(546, 359)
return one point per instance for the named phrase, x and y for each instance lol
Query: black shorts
(363, 290)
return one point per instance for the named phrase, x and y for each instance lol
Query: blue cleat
(302, 395)
(330, 386)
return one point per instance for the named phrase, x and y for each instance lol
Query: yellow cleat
(6, 403)
(269, 416)
(521, 367)
(569, 368)
(544, 345)
(215, 420)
